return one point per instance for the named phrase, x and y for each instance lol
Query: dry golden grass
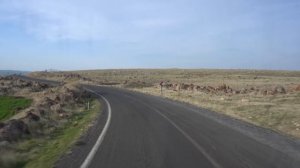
(280, 112)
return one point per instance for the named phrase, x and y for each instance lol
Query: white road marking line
(202, 150)
(95, 148)
(199, 148)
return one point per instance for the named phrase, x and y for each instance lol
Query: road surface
(152, 132)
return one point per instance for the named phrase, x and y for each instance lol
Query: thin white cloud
(82, 20)
(55, 20)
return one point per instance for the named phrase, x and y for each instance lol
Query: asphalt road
(147, 131)
(152, 132)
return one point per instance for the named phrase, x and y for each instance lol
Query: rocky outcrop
(225, 89)
(12, 84)
(47, 110)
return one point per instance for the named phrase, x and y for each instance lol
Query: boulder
(184, 86)
(47, 102)
(13, 130)
(55, 107)
(270, 92)
(244, 91)
(168, 85)
(264, 92)
(191, 87)
(197, 88)
(221, 87)
(210, 88)
(41, 112)
(177, 87)
(31, 117)
(37, 86)
(66, 97)
(279, 90)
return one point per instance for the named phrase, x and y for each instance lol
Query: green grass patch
(45, 152)
(10, 105)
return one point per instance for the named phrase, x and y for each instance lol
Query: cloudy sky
(98, 34)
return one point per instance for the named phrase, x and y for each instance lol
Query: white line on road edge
(92, 153)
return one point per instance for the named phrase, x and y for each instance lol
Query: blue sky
(97, 34)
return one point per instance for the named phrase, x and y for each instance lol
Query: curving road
(147, 131)
(142, 131)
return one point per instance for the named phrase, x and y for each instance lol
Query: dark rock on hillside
(13, 130)
(1, 125)
(31, 117)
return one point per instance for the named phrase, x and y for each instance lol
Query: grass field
(10, 105)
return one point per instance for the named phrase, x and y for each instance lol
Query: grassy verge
(10, 105)
(44, 152)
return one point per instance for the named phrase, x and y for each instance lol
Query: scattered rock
(244, 100)
(197, 88)
(47, 102)
(62, 114)
(279, 90)
(222, 87)
(41, 112)
(55, 107)
(264, 92)
(13, 131)
(184, 86)
(243, 90)
(191, 87)
(236, 92)
(30, 117)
